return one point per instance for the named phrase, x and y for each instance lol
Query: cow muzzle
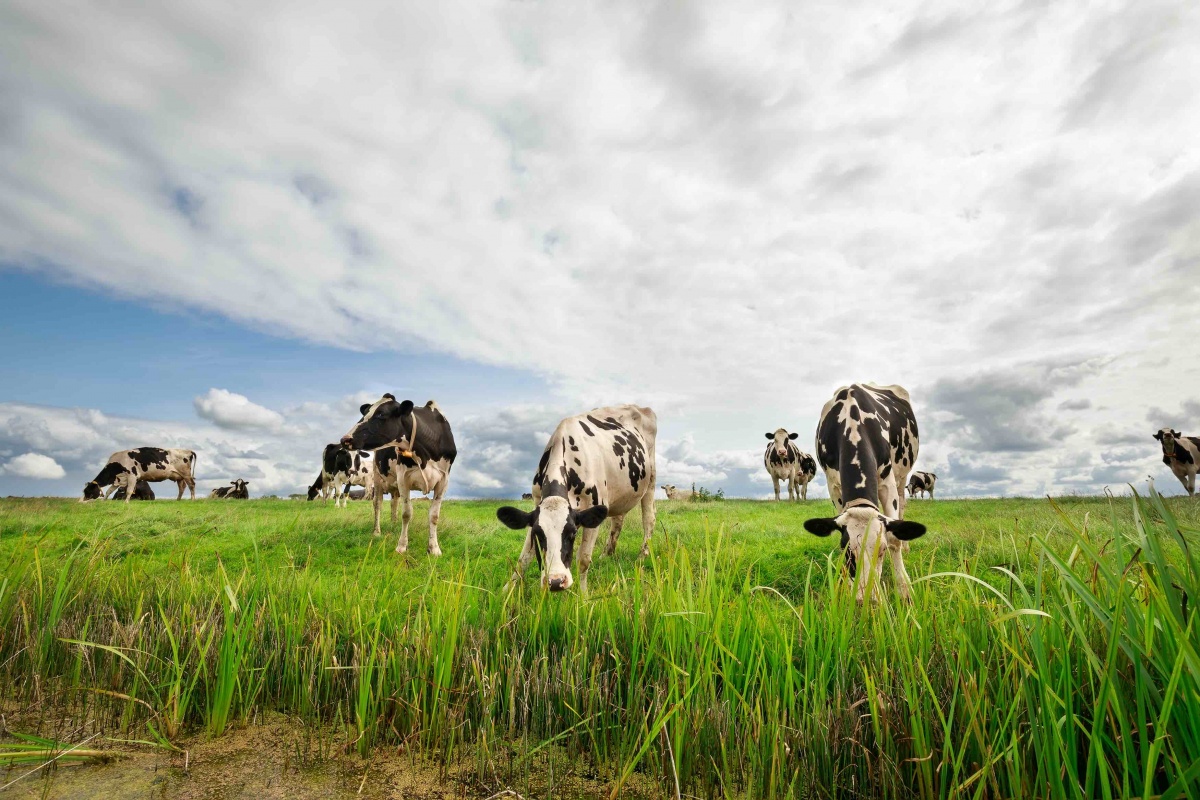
(557, 583)
(347, 443)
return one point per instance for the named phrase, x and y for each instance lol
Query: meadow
(1051, 649)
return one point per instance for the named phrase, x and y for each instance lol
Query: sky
(224, 227)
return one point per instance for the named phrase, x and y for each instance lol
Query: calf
(235, 491)
(596, 465)
(921, 482)
(786, 462)
(675, 493)
(140, 492)
(867, 442)
(1182, 454)
(152, 464)
(414, 449)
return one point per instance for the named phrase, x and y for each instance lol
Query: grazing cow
(596, 465)
(1182, 454)
(140, 492)
(786, 462)
(152, 464)
(235, 491)
(353, 468)
(527, 495)
(414, 449)
(867, 442)
(921, 482)
(675, 493)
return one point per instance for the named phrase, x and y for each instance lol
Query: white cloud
(226, 409)
(34, 465)
(723, 212)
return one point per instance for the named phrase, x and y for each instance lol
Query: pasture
(1051, 650)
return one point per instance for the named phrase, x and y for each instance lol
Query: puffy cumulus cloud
(35, 466)
(701, 188)
(226, 409)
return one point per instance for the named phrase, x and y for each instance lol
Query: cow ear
(405, 408)
(793, 436)
(514, 518)
(1158, 436)
(364, 408)
(770, 436)
(592, 517)
(904, 530)
(1176, 434)
(821, 526)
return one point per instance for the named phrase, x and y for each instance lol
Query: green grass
(1051, 649)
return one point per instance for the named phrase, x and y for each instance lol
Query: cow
(414, 449)
(527, 495)
(140, 492)
(152, 464)
(335, 466)
(867, 442)
(235, 491)
(596, 465)
(675, 493)
(1182, 454)
(921, 482)
(786, 462)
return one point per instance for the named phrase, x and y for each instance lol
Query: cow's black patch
(586, 429)
(609, 424)
(147, 457)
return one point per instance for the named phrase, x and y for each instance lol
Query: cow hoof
(400, 549)
(645, 552)
(376, 533)
(435, 551)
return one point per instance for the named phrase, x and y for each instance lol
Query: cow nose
(347, 441)
(558, 583)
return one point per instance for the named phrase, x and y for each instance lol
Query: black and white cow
(140, 492)
(867, 442)
(152, 464)
(596, 465)
(1182, 454)
(336, 462)
(235, 491)
(786, 462)
(414, 449)
(921, 482)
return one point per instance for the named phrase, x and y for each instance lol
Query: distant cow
(526, 495)
(140, 492)
(786, 462)
(867, 442)
(235, 491)
(921, 482)
(1182, 454)
(414, 449)
(335, 466)
(675, 493)
(152, 464)
(596, 465)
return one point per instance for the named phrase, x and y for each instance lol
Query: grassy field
(1051, 650)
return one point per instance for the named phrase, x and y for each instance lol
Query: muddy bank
(285, 760)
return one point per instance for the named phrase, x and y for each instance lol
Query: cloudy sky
(225, 226)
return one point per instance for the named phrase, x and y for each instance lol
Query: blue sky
(227, 236)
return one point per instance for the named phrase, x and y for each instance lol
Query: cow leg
(586, 548)
(614, 532)
(804, 490)
(180, 483)
(775, 480)
(1191, 484)
(405, 516)
(395, 504)
(111, 488)
(435, 514)
(377, 507)
(131, 482)
(889, 502)
(648, 516)
(527, 554)
(900, 574)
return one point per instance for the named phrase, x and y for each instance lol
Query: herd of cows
(601, 465)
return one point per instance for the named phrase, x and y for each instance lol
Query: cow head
(553, 525)
(781, 438)
(239, 485)
(91, 491)
(313, 491)
(382, 422)
(862, 527)
(1168, 436)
